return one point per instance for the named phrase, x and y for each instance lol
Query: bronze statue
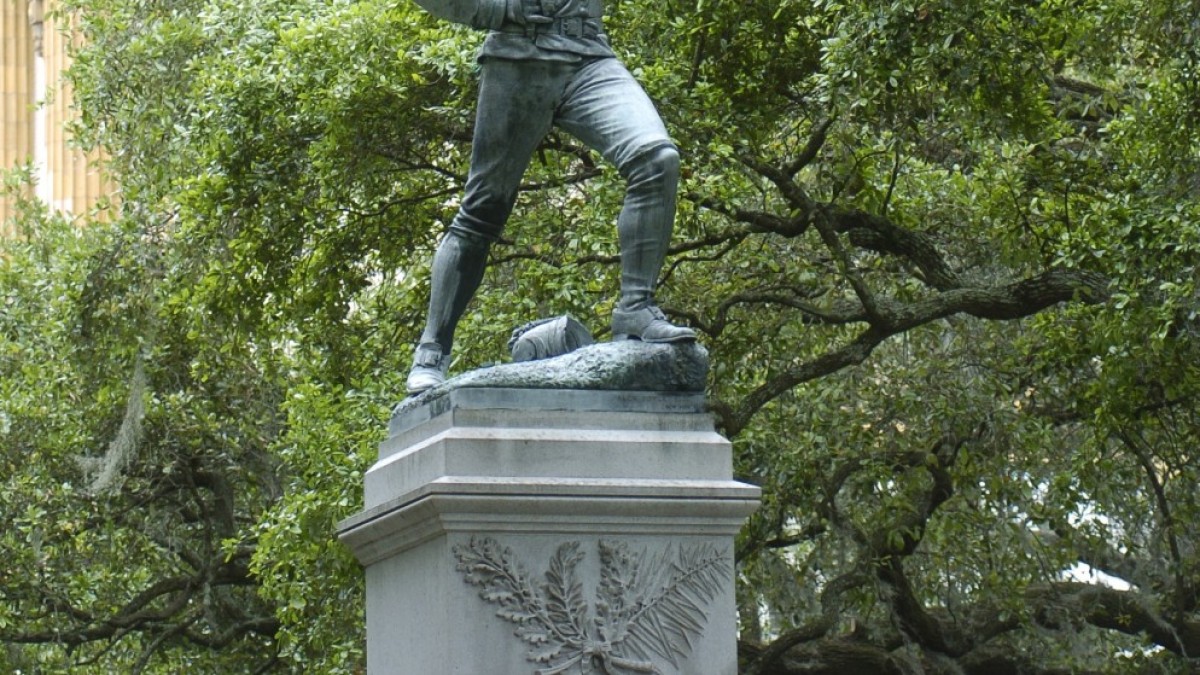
(548, 63)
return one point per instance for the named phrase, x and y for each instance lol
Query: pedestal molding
(389, 529)
(554, 517)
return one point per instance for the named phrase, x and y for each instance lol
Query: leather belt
(569, 26)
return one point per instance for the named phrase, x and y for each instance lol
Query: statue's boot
(644, 231)
(458, 267)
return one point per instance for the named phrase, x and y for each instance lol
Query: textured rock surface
(626, 366)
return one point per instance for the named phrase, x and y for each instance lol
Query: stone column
(72, 182)
(16, 94)
(517, 531)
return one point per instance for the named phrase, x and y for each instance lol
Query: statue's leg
(644, 226)
(458, 267)
(516, 107)
(607, 109)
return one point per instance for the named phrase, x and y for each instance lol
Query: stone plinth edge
(431, 405)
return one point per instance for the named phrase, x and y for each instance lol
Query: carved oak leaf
(485, 563)
(618, 581)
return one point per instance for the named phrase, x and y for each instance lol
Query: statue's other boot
(458, 268)
(648, 324)
(644, 230)
(429, 368)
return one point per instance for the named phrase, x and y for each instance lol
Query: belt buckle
(572, 26)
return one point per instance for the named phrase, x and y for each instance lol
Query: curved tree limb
(765, 662)
(1124, 611)
(1010, 301)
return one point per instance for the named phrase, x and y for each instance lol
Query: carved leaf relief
(647, 608)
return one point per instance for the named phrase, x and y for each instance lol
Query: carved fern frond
(668, 613)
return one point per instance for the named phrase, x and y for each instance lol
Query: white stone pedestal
(535, 532)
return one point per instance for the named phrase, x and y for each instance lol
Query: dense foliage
(943, 254)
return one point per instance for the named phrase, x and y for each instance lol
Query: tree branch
(766, 661)
(846, 266)
(1010, 301)
(879, 234)
(814, 145)
(733, 419)
(1122, 611)
(138, 614)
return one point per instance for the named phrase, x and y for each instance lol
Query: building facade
(35, 109)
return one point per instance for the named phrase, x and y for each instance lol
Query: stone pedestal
(535, 532)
